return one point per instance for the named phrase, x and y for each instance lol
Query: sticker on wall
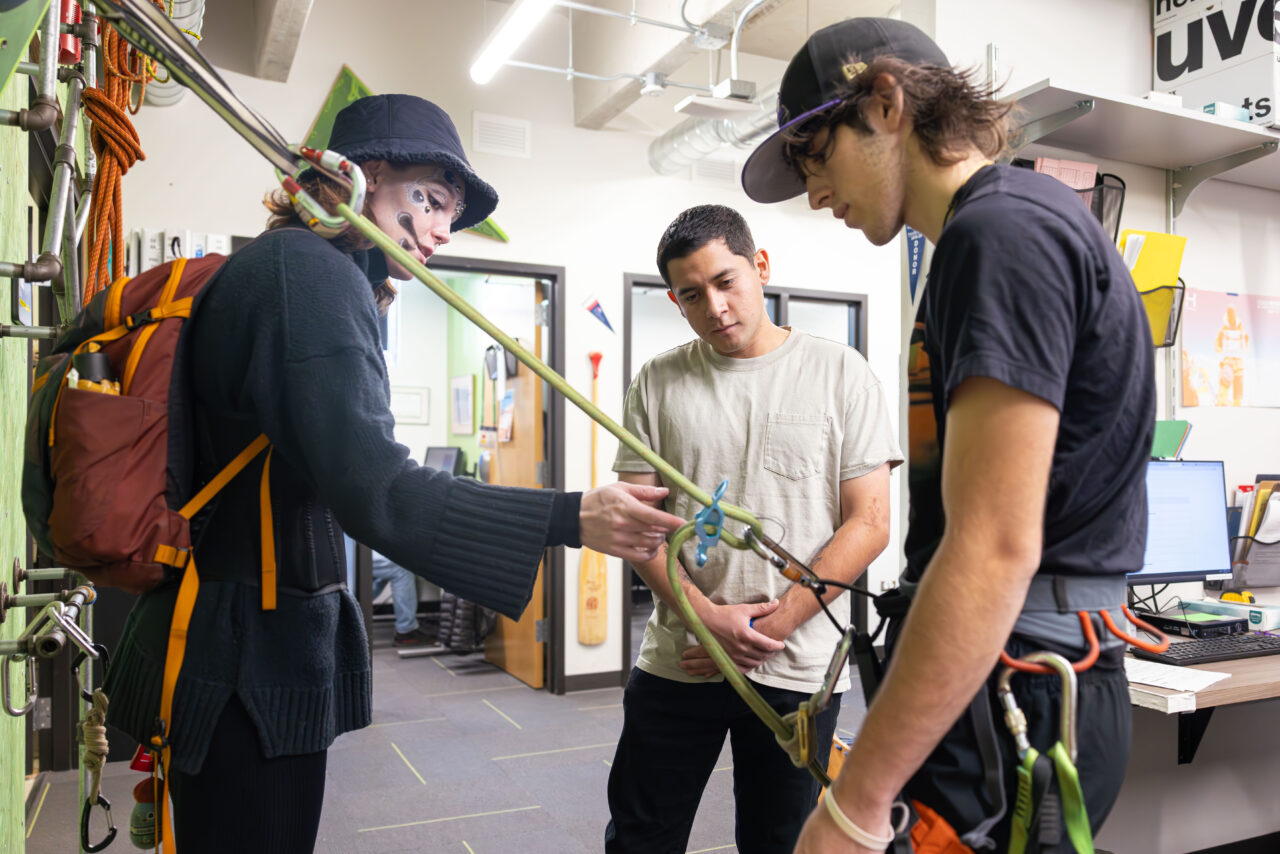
(592, 305)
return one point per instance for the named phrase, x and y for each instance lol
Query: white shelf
(1132, 130)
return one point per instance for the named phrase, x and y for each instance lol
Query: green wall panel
(14, 201)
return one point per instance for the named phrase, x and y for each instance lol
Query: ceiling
(602, 45)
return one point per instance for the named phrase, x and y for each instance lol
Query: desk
(1169, 805)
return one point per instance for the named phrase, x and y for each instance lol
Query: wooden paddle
(593, 578)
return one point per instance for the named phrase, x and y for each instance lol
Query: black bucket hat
(407, 129)
(831, 57)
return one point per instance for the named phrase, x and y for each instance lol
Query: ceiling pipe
(737, 35)
(696, 139)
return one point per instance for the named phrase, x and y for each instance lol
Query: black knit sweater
(286, 342)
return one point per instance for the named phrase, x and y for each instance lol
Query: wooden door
(513, 646)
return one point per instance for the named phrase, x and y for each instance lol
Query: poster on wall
(1230, 349)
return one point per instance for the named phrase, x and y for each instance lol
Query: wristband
(851, 830)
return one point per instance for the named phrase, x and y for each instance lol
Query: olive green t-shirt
(785, 429)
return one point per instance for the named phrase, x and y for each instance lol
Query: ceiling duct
(695, 139)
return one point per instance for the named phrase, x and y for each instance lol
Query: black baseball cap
(832, 57)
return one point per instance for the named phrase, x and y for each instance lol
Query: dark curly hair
(698, 226)
(948, 109)
(329, 193)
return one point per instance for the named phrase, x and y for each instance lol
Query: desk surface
(1251, 679)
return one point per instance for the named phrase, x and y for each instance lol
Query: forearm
(844, 558)
(654, 573)
(960, 618)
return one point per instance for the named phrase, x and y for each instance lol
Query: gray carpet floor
(460, 758)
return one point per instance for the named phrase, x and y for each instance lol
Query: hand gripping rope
(149, 30)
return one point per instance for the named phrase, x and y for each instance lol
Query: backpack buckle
(142, 318)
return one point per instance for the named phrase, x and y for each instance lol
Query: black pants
(952, 780)
(241, 802)
(672, 734)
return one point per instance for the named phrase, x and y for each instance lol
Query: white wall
(587, 200)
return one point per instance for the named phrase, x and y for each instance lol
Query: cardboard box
(1209, 51)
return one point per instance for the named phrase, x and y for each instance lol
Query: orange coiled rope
(116, 144)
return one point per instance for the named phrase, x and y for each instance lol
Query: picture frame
(411, 404)
(462, 406)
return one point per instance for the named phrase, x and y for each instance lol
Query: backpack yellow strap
(177, 650)
(111, 317)
(268, 538)
(182, 610)
(223, 477)
(181, 308)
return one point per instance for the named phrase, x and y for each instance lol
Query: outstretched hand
(620, 519)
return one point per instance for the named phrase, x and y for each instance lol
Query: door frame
(554, 583)
(857, 332)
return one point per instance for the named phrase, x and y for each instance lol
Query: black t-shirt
(1027, 289)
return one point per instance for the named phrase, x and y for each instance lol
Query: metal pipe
(695, 139)
(89, 44)
(47, 85)
(684, 6)
(32, 600)
(29, 68)
(71, 252)
(64, 159)
(32, 333)
(607, 78)
(60, 573)
(62, 624)
(41, 269)
(737, 33)
(633, 18)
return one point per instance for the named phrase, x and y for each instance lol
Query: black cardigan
(286, 342)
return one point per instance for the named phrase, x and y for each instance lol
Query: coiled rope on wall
(117, 147)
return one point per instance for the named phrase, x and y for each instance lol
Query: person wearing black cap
(285, 342)
(1028, 441)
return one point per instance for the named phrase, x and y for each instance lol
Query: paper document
(1170, 676)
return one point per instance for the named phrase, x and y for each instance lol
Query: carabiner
(85, 812)
(101, 654)
(31, 685)
(1016, 721)
(338, 167)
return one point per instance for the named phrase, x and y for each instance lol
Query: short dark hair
(697, 227)
(948, 110)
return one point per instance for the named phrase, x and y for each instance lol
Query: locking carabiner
(337, 167)
(85, 812)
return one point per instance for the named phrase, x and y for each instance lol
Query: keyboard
(1203, 651)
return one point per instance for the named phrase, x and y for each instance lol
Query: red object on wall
(69, 45)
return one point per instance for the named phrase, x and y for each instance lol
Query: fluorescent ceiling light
(510, 34)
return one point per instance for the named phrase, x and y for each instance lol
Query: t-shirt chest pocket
(794, 444)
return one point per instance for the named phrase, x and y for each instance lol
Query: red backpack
(108, 470)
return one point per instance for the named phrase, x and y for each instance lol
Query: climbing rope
(94, 731)
(116, 144)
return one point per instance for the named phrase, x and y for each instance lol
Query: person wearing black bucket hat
(1027, 453)
(286, 342)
